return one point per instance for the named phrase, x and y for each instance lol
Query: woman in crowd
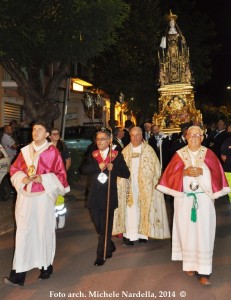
(226, 156)
(60, 209)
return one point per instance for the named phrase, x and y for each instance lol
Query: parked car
(5, 184)
(79, 137)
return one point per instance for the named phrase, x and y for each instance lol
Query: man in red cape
(38, 175)
(195, 178)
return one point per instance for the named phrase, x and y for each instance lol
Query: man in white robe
(194, 177)
(141, 212)
(38, 175)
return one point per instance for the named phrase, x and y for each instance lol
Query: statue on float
(176, 102)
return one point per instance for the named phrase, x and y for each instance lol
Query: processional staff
(108, 199)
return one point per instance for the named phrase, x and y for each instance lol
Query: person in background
(60, 209)
(111, 125)
(147, 131)
(39, 176)
(98, 165)
(181, 141)
(211, 129)
(216, 140)
(126, 138)
(226, 156)
(118, 135)
(5, 183)
(195, 178)
(92, 147)
(15, 131)
(161, 145)
(141, 212)
(9, 143)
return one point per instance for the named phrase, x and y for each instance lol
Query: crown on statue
(171, 16)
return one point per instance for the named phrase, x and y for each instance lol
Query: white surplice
(193, 242)
(35, 219)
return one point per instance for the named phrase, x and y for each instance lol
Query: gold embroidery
(135, 155)
(199, 158)
(130, 201)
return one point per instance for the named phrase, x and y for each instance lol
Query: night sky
(220, 13)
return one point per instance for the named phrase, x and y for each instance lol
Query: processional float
(176, 95)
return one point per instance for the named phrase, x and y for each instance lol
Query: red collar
(96, 154)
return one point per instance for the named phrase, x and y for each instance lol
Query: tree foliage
(213, 113)
(130, 65)
(35, 34)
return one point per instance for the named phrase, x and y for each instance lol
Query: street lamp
(88, 100)
(92, 103)
(98, 100)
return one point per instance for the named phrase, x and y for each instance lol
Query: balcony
(8, 82)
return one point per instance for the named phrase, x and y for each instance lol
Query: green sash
(195, 205)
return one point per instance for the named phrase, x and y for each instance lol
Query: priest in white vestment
(141, 212)
(194, 177)
(38, 175)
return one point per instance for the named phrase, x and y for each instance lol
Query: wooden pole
(108, 202)
(161, 157)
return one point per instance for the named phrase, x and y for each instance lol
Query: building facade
(71, 104)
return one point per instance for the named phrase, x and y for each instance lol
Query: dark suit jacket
(97, 198)
(143, 134)
(165, 149)
(126, 138)
(215, 142)
(118, 145)
(177, 145)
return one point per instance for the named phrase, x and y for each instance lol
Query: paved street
(142, 271)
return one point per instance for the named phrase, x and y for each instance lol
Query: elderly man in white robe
(195, 178)
(38, 175)
(141, 212)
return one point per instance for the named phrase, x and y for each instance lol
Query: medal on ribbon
(96, 154)
(194, 185)
(31, 172)
(102, 177)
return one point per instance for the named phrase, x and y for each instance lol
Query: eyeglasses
(101, 139)
(194, 135)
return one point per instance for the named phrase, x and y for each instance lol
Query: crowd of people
(193, 167)
(131, 171)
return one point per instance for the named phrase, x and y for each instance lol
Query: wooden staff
(161, 157)
(108, 201)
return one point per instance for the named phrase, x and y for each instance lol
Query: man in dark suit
(147, 131)
(98, 166)
(117, 143)
(216, 140)
(126, 138)
(181, 141)
(161, 144)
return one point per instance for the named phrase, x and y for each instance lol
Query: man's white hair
(196, 127)
(136, 128)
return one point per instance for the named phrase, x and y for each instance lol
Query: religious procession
(157, 180)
